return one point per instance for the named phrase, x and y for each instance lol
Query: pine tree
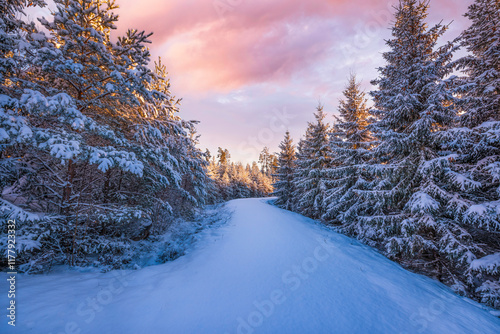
(12, 41)
(16, 132)
(350, 142)
(283, 185)
(14, 49)
(477, 144)
(95, 136)
(313, 158)
(106, 83)
(268, 161)
(98, 73)
(265, 160)
(480, 89)
(412, 206)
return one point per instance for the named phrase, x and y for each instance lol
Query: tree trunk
(68, 187)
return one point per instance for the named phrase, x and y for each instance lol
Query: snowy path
(266, 271)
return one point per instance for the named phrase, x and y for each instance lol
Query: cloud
(235, 65)
(212, 45)
(234, 62)
(221, 45)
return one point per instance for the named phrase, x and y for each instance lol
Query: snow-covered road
(266, 271)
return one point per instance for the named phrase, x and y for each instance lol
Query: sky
(249, 70)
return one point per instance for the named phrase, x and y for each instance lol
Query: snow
(489, 263)
(421, 202)
(266, 271)
(38, 37)
(487, 211)
(108, 157)
(3, 135)
(62, 148)
(477, 209)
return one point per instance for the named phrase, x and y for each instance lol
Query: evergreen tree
(478, 143)
(414, 201)
(350, 142)
(273, 166)
(283, 186)
(16, 132)
(92, 137)
(268, 162)
(14, 49)
(314, 157)
(480, 89)
(106, 82)
(232, 180)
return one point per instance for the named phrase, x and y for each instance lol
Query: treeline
(233, 180)
(418, 174)
(93, 152)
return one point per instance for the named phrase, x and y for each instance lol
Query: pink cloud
(213, 45)
(209, 45)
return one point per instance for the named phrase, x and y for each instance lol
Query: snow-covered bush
(92, 149)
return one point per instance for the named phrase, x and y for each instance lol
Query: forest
(417, 174)
(95, 157)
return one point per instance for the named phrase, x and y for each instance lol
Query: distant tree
(265, 160)
(223, 156)
(283, 185)
(273, 165)
(232, 180)
(208, 155)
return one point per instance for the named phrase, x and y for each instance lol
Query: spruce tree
(477, 143)
(480, 89)
(313, 158)
(414, 201)
(283, 185)
(95, 136)
(350, 142)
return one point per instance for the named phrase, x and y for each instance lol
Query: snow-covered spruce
(480, 88)
(90, 139)
(284, 184)
(313, 157)
(477, 143)
(350, 143)
(412, 205)
(233, 180)
(421, 178)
